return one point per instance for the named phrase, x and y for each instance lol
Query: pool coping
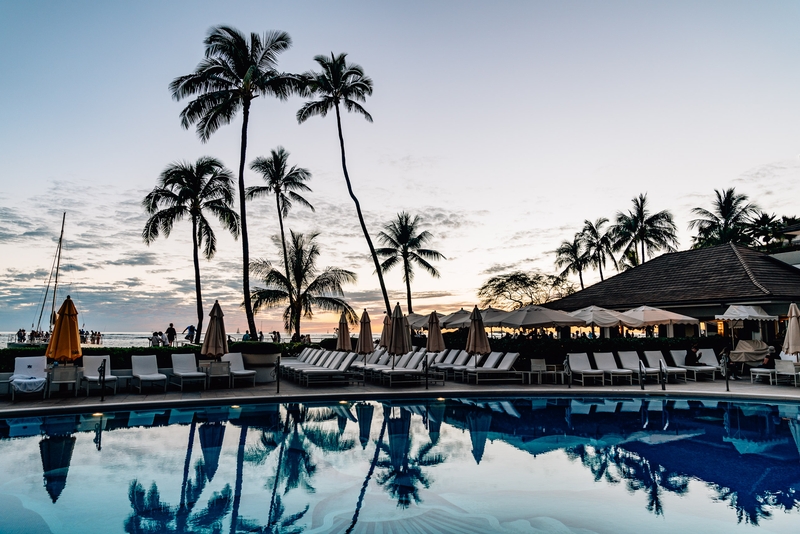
(349, 395)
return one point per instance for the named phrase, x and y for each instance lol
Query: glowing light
(97, 414)
(235, 406)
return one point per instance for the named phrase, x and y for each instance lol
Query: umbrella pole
(278, 375)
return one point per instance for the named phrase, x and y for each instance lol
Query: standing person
(246, 336)
(260, 336)
(190, 336)
(155, 340)
(171, 334)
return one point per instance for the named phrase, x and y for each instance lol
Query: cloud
(500, 268)
(136, 258)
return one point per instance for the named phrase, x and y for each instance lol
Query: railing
(662, 373)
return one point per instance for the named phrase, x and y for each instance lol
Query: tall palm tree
(186, 190)
(726, 222)
(404, 245)
(598, 243)
(305, 289)
(234, 72)
(281, 181)
(764, 228)
(650, 232)
(572, 256)
(345, 84)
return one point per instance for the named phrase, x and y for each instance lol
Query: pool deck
(289, 392)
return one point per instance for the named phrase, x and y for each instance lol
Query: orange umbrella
(343, 339)
(65, 343)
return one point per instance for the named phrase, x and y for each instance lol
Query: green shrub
(255, 347)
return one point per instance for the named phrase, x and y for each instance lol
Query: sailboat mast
(58, 264)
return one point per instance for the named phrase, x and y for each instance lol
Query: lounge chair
(449, 359)
(145, 369)
(630, 360)
(337, 374)
(503, 371)
(708, 357)
(460, 371)
(414, 371)
(605, 362)
(184, 369)
(786, 369)
(373, 372)
(30, 375)
(447, 368)
(91, 373)
(237, 368)
(579, 365)
(653, 357)
(679, 357)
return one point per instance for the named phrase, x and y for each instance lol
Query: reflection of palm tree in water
(402, 473)
(637, 472)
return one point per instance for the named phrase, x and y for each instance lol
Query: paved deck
(290, 392)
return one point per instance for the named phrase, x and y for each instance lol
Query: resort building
(700, 283)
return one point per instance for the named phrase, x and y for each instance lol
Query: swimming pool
(455, 465)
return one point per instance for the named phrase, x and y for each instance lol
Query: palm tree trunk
(580, 277)
(406, 268)
(197, 281)
(361, 217)
(600, 267)
(248, 305)
(237, 492)
(283, 243)
(366, 480)
(642, 262)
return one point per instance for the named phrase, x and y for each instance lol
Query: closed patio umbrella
(211, 437)
(791, 345)
(364, 413)
(365, 345)
(435, 339)
(477, 340)
(56, 453)
(478, 424)
(215, 343)
(343, 339)
(399, 342)
(386, 333)
(65, 343)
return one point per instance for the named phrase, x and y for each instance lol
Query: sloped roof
(723, 274)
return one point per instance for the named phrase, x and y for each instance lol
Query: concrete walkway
(290, 392)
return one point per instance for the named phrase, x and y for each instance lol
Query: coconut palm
(598, 243)
(187, 190)
(764, 228)
(345, 84)
(639, 228)
(726, 222)
(404, 246)
(306, 288)
(572, 256)
(283, 182)
(234, 72)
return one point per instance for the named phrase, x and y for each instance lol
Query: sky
(502, 125)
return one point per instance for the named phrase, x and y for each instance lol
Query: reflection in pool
(460, 465)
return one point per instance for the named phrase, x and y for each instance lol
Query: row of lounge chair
(31, 373)
(630, 366)
(318, 366)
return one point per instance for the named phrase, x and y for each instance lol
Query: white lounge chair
(237, 367)
(30, 375)
(708, 357)
(679, 357)
(145, 369)
(653, 358)
(327, 376)
(605, 362)
(501, 373)
(786, 369)
(184, 369)
(630, 360)
(579, 365)
(91, 373)
(460, 372)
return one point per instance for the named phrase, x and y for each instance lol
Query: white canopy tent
(736, 314)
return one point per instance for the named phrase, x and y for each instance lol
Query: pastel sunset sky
(503, 125)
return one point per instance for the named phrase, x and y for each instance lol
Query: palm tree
(283, 183)
(598, 243)
(234, 72)
(764, 228)
(726, 222)
(342, 83)
(572, 256)
(650, 232)
(405, 245)
(192, 190)
(304, 289)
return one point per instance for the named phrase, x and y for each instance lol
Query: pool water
(520, 465)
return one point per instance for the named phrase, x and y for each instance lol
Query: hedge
(121, 356)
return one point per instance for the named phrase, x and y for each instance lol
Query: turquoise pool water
(519, 465)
